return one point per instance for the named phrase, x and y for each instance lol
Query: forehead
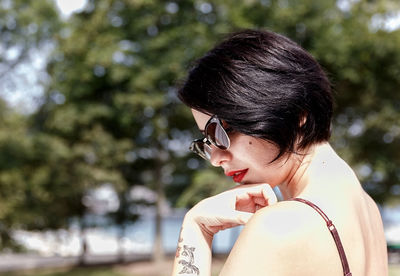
(200, 118)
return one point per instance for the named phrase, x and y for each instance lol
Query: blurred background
(95, 173)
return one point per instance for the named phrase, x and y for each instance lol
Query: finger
(248, 192)
(260, 201)
(270, 195)
(246, 206)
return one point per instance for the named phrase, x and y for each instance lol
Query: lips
(237, 176)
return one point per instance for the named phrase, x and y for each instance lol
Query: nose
(219, 156)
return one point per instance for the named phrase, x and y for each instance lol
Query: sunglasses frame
(198, 145)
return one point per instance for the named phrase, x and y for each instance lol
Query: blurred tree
(26, 28)
(36, 191)
(13, 146)
(112, 101)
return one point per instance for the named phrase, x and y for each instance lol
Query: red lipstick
(237, 176)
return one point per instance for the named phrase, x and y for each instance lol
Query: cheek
(248, 145)
(251, 145)
(243, 148)
(262, 150)
(255, 150)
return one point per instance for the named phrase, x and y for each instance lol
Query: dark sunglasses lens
(217, 135)
(198, 148)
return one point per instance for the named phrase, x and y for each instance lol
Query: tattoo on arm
(178, 249)
(188, 266)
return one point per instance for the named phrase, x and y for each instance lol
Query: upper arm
(278, 240)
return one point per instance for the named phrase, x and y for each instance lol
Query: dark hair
(263, 85)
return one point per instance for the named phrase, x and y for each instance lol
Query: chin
(248, 182)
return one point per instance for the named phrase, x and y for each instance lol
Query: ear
(303, 119)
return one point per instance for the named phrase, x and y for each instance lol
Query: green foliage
(13, 147)
(24, 27)
(26, 24)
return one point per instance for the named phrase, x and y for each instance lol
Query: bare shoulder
(280, 238)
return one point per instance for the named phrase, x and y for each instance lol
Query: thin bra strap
(334, 232)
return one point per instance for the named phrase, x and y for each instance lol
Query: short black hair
(263, 85)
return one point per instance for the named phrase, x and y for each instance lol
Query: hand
(231, 208)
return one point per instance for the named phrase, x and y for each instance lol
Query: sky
(67, 7)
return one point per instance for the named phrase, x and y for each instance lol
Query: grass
(394, 270)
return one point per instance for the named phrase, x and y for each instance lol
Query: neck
(297, 181)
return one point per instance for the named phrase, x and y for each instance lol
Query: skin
(287, 237)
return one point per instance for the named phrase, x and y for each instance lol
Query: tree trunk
(121, 250)
(84, 246)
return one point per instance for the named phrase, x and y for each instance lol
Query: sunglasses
(215, 134)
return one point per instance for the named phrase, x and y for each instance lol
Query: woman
(265, 106)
